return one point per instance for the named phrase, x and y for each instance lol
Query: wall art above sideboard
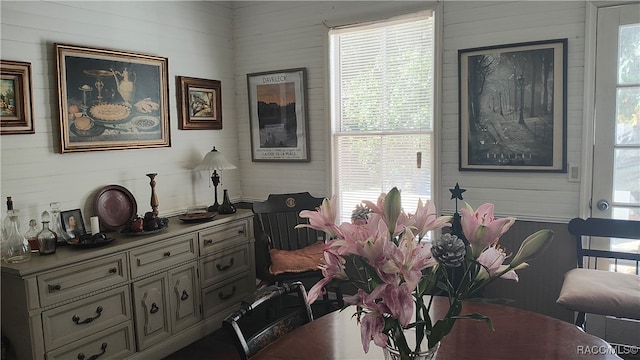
(16, 105)
(110, 99)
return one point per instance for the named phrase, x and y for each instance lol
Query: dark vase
(226, 207)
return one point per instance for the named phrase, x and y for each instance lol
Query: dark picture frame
(513, 107)
(111, 99)
(199, 103)
(16, 104)
(278, 115)
(72, 223)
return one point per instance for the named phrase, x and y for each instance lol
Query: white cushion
(601, 292)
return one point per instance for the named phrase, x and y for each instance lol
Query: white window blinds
(382, 81)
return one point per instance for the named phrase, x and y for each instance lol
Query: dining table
(517, 334)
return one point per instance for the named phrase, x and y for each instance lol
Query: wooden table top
(518, 334)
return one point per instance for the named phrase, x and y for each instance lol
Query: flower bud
(533, 245)
(392, 207)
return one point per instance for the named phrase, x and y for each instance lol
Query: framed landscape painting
(513, 107)
(16, 106)
(199, 103)
(110, 99)
(278, 115)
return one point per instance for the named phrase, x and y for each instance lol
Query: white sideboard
(138, 297)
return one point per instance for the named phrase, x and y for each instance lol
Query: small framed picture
(199, 103)
(72, 223)
(16, 106)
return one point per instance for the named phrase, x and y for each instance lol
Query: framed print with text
(513, 107)
(278, 115)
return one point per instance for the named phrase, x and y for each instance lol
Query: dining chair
(292, 254)
(605, 282)
(260, 319)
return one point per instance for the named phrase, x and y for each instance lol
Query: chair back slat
(279, 215)
(609, 228)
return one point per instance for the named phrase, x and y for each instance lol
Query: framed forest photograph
(278, 115)
(513, 107)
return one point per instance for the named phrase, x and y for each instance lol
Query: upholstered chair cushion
(296, 261)
(601, 292)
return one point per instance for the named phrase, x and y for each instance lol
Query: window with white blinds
(382, 100)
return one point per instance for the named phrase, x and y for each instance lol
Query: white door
(616, 160)
(616, 151)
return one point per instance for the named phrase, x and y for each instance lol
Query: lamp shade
(214, 160)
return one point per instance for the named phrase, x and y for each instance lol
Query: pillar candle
(95, 225)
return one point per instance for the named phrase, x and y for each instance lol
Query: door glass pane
(629, 54)
(628, 115)
(626, 172)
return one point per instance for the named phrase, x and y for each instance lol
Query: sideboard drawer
(157, 257)
(225, 297)
(74, 321)
(77, 280)
(224, 264)
(225, 235)
(113, 343)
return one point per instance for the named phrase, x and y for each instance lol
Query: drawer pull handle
(241, 231)
(154, 308)
(208, 241)
(167, 254)
(55, 287)
(103, 349)
(184, 296)
(76, 318)
(224, 267)
(113, 271)
(225, 297)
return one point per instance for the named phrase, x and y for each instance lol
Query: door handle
(602, 205)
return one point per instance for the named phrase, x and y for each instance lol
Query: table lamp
(214, 161)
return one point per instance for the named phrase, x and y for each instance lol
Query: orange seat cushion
(295, 261)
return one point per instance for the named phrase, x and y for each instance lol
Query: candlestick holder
(154, 196)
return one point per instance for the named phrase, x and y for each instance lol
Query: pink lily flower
(492, 258)
(323, 218)
(371, 327)
(481, 228)
(333, 269)
(426, 219)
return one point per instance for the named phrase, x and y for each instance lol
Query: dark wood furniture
(598, 285)
(277, 217)
(261, 320)
(518, 334)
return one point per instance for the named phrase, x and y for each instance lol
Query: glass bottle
(56, 224)
(47, 239)
(6, 222)
(16, 248)
(226, 207)
(32, 235)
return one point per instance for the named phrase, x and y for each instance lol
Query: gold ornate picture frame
(111, 100)
(16, 104)
(199, 103)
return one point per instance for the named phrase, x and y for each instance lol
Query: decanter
(47, 239)
(16, 248)
(32, 235)
(56, 224)
(226, 207)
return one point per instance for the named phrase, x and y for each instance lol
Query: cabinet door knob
(167, 254)
(223, 296)
(103, 349)
(113, 271)
(224, 267)
(154, 308)
(241, 231)
(208, 241)
(76, 318)
(55, 287)
(184, 296)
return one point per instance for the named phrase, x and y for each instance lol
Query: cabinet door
(151, 310)
(184, 296)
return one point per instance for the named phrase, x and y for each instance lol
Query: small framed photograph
(513, 107)
(111, 100)
(16, 105)
(278, 115)
(72, 223)
(199, 103)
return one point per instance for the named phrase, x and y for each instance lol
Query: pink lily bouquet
(394, 269)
